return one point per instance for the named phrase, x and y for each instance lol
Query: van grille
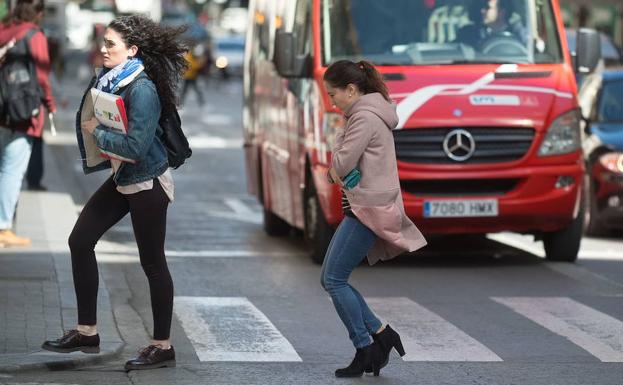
(492, 144)
(457, 187)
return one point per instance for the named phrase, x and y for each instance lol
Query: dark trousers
(106, 207)
(195, 85)
(34, 174)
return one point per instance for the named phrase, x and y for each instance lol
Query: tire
(593, 225)
(275, 226)
(563, 245)
(318, 232)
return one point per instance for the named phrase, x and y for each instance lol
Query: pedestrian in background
(196, 61)
(16, 141)
(143, 63)
(35, 170)
(374, 224)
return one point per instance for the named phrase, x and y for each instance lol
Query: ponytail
(374, 80)
(362, 74)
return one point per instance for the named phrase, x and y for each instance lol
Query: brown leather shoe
(9, 239)
(152, 357)
(73, 341)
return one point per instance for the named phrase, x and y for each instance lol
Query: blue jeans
(348, 247)
(15, 148)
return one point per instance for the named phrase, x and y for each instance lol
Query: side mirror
(287, 63)
(588, 50)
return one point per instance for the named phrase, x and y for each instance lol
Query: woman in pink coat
(375, 224)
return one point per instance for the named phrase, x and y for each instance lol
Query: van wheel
(318, 233)
(564, 245)
(275, 226)
(592, 223)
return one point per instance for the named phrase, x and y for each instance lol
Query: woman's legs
(348, 248)
(149, 218)
(105, 208)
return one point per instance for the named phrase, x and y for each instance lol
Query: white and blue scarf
(111, 80)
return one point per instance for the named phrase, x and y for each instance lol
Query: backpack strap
(28, 37)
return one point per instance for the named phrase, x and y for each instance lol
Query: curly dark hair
(160, 48)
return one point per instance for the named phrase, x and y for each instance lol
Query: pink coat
(367, 143)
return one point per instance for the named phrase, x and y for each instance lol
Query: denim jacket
(142, 142)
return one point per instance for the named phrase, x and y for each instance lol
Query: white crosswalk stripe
(234, 329)
(231, 329)
(596, 332)
(426, 336)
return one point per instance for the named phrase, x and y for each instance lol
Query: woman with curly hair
(143, 63)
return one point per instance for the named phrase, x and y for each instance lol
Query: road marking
(590, 248)
(428, 337)
(131, 256)
(231, 329)
(217, 119)
(241, 212)
(596, 332)
(207, 142)
(228, 253)
(239, 207)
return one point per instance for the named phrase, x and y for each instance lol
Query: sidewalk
(37, 300)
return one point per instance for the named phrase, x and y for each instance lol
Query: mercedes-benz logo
(459, 145)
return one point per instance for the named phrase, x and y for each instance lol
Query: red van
(488, 138)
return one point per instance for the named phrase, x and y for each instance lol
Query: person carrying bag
(375, 224)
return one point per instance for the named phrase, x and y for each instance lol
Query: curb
(48, 218)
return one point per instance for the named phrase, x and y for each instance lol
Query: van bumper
(534, 205)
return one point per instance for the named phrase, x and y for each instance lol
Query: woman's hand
(90, 125)
(333, 177)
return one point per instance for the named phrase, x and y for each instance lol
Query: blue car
(601, 100)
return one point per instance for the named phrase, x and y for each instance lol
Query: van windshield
(430, 32)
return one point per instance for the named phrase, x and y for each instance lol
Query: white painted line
(253, 218)
(217, 119)
(228, 253)
(231, 329)
(207, 142)
(521, 242)
(596, 332)
(238, 206)
(426, 336)
(590, 248)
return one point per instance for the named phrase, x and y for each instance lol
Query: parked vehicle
(601, 99)
(488, 138)
(229, 54)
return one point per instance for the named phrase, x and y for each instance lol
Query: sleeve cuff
(99, 134)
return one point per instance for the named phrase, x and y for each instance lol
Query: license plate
(461, 208)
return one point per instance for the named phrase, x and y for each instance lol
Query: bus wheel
(275, 226)
(563, 245)
(318, 233)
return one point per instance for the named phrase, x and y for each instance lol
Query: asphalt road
(249, 309)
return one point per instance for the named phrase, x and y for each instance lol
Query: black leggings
(106, 207)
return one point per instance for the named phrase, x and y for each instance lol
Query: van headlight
(563, 136)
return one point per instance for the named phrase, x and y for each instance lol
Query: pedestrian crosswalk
(596, 332)
(234, 329)
(231, 329)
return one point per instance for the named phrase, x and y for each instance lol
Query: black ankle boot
(366, 357)
(387, 339)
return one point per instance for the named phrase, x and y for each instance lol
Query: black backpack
(173, 138)
(20, 92)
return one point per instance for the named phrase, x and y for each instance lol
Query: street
(249, 309)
